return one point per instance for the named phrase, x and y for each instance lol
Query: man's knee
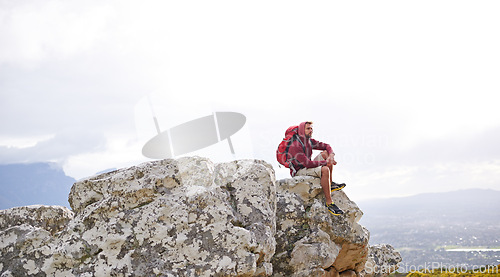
(325, 170)
(324, 154)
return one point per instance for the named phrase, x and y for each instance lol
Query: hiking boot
(333, 209)
(336, 186)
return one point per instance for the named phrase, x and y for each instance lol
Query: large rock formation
(310, 240)
(190, 217)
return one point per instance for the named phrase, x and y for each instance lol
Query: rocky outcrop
(382, 260)
(49, 218)
(188, 217)
(311, 241)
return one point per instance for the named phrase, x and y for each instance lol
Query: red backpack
(282, 154)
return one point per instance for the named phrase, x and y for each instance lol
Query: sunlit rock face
(188, 217)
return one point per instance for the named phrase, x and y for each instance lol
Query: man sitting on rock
(320, 167)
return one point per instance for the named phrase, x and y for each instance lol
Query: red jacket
(303, 159)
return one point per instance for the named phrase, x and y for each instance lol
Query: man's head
(308, 129)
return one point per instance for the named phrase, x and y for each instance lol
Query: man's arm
(297, 153)
(306, 162)
(318, 145)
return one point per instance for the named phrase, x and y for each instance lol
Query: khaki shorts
(314, 171)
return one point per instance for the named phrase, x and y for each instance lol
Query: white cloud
(57, 148)
(118, 153)
(33, 32)
(23, 142)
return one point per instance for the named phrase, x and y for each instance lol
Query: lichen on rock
(302, 217)
(187, 217)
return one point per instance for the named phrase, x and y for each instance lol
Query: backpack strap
(292, 167)
(293, 170)
(303, 146)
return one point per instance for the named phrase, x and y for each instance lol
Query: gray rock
(188, 217)
(50, 218)
(185, 217)
(382, 261)
(304, 226)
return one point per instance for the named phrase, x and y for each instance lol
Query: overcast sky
(406, 92)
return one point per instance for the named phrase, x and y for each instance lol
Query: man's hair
(308, 122)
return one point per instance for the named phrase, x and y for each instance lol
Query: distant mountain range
(463, 205)
(423, 227)
(36, 183)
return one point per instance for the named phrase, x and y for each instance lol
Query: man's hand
(331, 159)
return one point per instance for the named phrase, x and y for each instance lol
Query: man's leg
(330, 167)
(334, 186)
(326, 186)
(324, 154)
(326, 183)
